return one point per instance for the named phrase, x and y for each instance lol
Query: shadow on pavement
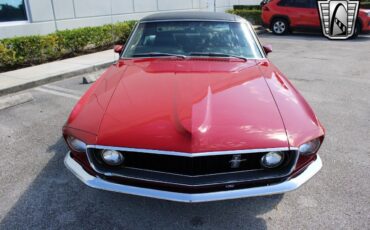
(57, 199)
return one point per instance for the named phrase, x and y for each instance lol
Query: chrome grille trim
(185, 154)
(182, 154)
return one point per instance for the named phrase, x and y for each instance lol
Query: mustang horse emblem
(235, 161)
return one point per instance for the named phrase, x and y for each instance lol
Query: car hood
(196, 105)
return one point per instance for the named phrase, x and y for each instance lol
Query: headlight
(310, 147)
(272, 159)
(76, 144)
(112, 157)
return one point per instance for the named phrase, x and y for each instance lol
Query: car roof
(192, 15)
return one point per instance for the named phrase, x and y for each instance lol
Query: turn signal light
(76, 144)
(310, 147)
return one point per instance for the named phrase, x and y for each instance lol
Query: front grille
(188, 166)
(191, 166)
(192, 174)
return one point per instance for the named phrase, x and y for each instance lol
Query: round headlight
(272, 159)
(76, 144)
(112, 157)
(310, 147)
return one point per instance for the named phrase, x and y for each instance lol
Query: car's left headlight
(76, 144)
(310, 147)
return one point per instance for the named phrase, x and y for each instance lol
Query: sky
(14, 3)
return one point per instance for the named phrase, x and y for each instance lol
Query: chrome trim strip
(98, 183)
(149, 151)
(110, 174)
(190, 58)
(256, 39)
(249, 25)
(128, 41)
(184, 154)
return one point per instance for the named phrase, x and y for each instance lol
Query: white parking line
(61, 89)
(57, 93)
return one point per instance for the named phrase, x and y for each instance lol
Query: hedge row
(365, 5)
(253, 16)
(30, 50)
(247, 7)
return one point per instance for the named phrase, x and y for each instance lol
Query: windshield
(193, 38)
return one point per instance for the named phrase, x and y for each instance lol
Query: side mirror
(118, 48)
(267, 49)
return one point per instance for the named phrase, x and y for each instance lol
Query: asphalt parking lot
(38, 192)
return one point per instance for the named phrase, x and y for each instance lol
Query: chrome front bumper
(98, 183)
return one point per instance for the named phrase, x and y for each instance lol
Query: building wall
(47, 16)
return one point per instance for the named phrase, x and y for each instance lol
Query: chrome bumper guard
(98, 183)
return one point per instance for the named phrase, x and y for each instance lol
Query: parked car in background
(284, 16)
(193, 111)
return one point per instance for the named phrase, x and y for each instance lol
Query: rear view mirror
(267, 49)
(118, 48)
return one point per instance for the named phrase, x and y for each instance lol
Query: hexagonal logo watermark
(338, 18)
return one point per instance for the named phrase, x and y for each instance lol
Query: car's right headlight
(76, 144)
(310, 147)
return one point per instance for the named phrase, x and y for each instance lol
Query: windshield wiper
(158, 54)
(210, 54)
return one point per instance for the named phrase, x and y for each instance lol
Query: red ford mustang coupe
(193, 111)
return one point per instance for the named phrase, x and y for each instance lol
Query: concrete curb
(13, 100)
(53, 78)
(260, 30)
